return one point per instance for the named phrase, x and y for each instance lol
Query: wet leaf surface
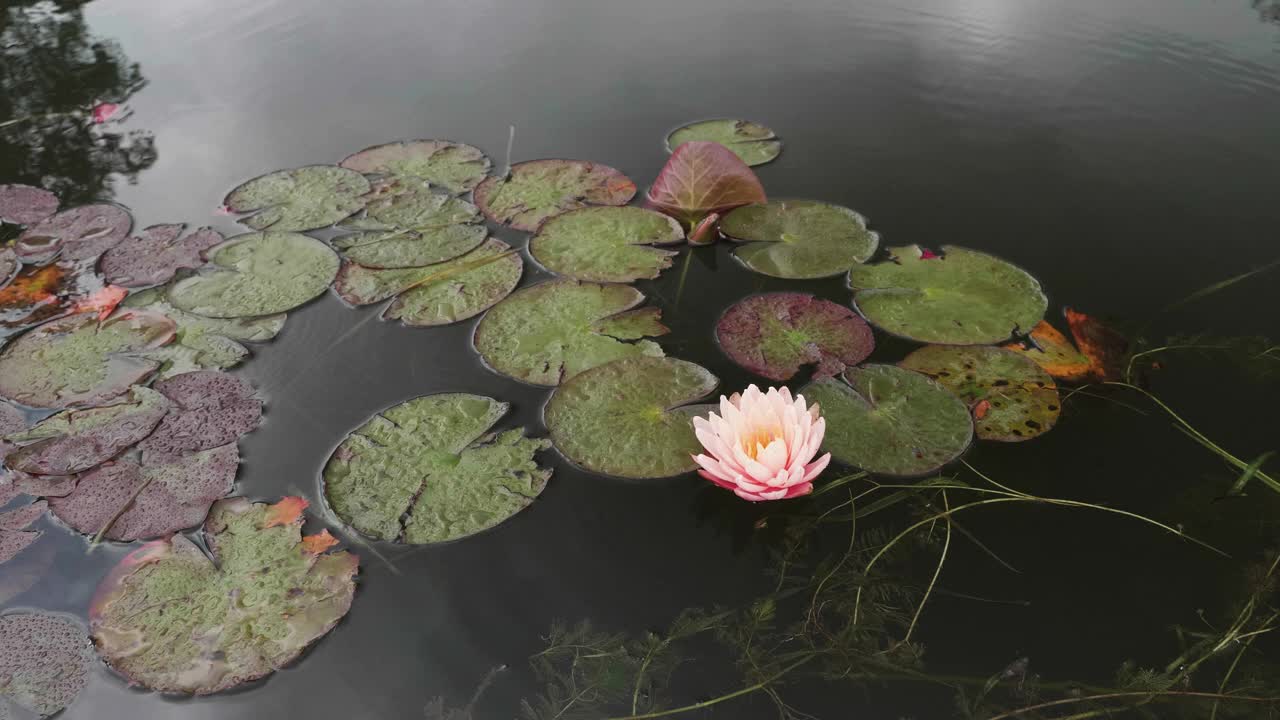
(73, 441)
(77, 361)
(701, 178)
(47, 486)
(156, 254)
(539, 189)
(257, 274)
(1011, 397)
(963, 297)
(426, 470)
(754, 143)
(209, 408)
(549, 332)
(25, 205)
(457, 167)
(799, 239)
(76, 235)
(891, 421)
(14, 536)
(774, 335)
(411, 228)
(44, 661)
(625, 418)
(606, 244)
(203, 343)
(163, 618)
(305, 198)
(1100, 355)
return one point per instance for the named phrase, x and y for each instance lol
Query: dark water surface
(1125, 153)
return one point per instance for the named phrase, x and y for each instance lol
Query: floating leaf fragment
(701, 178)
(539, 189)
(162, 617)
(318, 543)
(1012, 398)
(1100, 356)
(156, 254)
(76, 235)
(257, 274)
(547, 333)
(799, 239)
(773, 335)
(625, 418)
(73, 441)
(209, 408)
(457, 167)
(203, 343)
(44, 661)
(425, 470)
(304, 198)
(754, 143)
(288, 510)
(606, 244)
(25, 205)
(962, 298)
(891, 421)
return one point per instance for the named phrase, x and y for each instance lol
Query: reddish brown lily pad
(773, 335)
(73, 441)
(45, 486)
(44, 661)
(78, 234)
(14, 536)
(26, 205)
(210, 408)
(702, 178)
(536, 190)
(156, 254)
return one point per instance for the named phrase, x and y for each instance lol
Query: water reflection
(1268, 10)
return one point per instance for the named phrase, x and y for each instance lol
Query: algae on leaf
(536, 190)
(257, 274)
(799, 239)
(304, 198)
(606, 244)
(751, 141)
(773, 335)
(457, 167)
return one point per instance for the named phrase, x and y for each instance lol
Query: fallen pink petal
(103, 112)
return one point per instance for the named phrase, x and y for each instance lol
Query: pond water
(1124, 153)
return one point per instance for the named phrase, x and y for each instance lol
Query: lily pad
(702, 179)
(457, 167)
(412, 229)
(209, 409)
(547, 333)
(78, 361)
(606, 244)
(14, 536)
(773, 335)
(156, 254)
(799, 239)
(625, 418)
(1011, 398)
(77, 235)
(203, 343)
(425, 470)
(26, 205)
(753, 142)
(257, 274)
(1099, 352)
(305, 198)
(962, 297)
(891, 421)
(536, 190)
(73, 441)
(156, 498)
(44, 661)
(162, 617)
(8, 265)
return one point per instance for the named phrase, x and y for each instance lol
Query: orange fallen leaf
(318, 543)
(980, 410)
(1097, 353)
(32, 287)
(104, 301)
(285, 512)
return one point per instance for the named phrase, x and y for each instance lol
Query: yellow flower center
(759, 439)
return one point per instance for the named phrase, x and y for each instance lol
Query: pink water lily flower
(760, 445)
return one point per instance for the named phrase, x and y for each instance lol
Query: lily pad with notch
(73, 441)
(45, 660)
(799, 239)
(775, 334)
(751, 141)
(607, 244)
(256, 274)
(538, 189)
(203, 343)
(457, 167)
(156, 255)
(305, 198)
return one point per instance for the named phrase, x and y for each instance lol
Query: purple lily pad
(44, 660)
(79, 234)
(20, 518)
(156, 255)
(536, 190)
(773, 335)
(13, 542)
(26, 205)
(210, 408)
(45, 486)
(152, 499)
(14, 537)
(73, 441)
(12, 420)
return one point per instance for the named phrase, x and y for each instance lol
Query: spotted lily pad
(962, 297)
(73, 441)
(425, 470)
(412, 229)
(625, 418)
(156, 254)
(77, 235)
(14, 536)
(172, 619)
(160, 496)
(257, 274)
(547, 333)
(26, 205)
(1011, 397)
(799, 239)
(539, 189)
(891, 421)
(458, 167)
(773, 335)
(304, 198)
(203, 343)
(606, 244)
(44, 661)
(209, 409)
(753, 142)
(78, 361)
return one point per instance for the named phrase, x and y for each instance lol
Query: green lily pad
(1012, 397)
(412, 227)
(891, 421)
(44, 661)
(173, 620)
(799, 239)
(773, 335)
(457, 167)
(73, 441)
(606, 244)
(431, 458)
(304, 198)
(962, 297)
(536, 190)
(547, 333)
(257, 274)
(203, 343)
(77, 361)
(753, 142)
(625, 418)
